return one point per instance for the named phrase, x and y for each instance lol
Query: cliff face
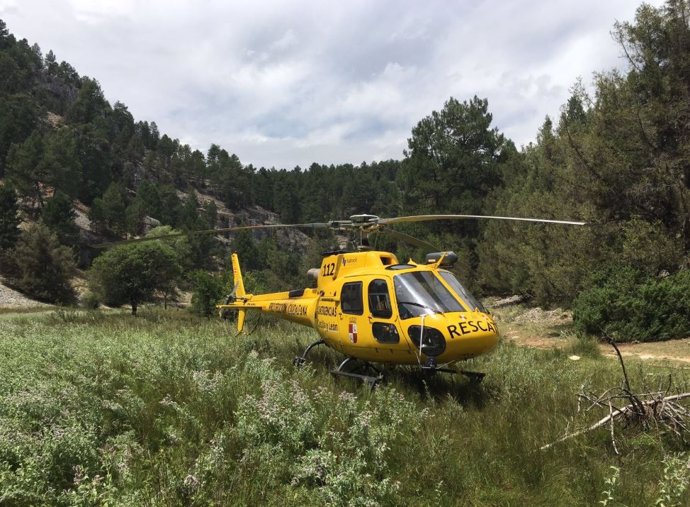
(291, 239)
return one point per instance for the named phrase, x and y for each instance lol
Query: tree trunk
(134, 308)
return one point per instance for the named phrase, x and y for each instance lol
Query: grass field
(168, 409)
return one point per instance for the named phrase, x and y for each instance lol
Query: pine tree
(41, 267)
(453, 159)
(109, 212)
(58, 215)
(9, 219)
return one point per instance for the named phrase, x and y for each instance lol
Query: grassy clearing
(168, 409)
(533, 327)
(11, 312)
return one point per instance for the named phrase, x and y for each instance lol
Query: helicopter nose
(470, 334)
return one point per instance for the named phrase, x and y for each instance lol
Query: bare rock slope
(10, 298)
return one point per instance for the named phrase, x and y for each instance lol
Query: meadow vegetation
(172, 409)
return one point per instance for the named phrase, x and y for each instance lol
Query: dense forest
(617, 157)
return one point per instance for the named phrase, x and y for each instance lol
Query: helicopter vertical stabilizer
(238, 289)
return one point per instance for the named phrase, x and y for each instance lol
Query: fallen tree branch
(613, 439)
(628, 409)
(649, 409)
(594, 426)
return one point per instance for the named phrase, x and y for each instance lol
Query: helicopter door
(352, 307)
(383, 327)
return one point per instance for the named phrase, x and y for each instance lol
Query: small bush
(208, 291)
(89, 301)
(674, 482)
(626, 306)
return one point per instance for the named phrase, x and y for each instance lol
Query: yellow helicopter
(372, 308)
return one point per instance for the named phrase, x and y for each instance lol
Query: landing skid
(300, 360)
(370, 380)
(475, 377)
(343, 370)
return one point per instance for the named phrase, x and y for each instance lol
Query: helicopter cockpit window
(379, 301)
(421, 293)
(471, 302)
(351, 298)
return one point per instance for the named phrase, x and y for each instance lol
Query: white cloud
(288, 83)
(102, 10)
(8, 6)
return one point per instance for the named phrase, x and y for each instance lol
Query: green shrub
(208, 291)
(625, 305)
(674, 482)
(332, 446)
(89, 300)
(133, 273)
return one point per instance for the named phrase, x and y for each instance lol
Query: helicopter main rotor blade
(426, 218)
(316, 225)
(408, 239)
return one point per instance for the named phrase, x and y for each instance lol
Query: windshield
(468, 298)
(421, 293)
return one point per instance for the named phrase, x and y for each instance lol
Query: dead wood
(654, 409)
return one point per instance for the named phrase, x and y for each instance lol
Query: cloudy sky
(284, 83)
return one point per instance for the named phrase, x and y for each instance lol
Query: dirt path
(546, 329)
(672, 350)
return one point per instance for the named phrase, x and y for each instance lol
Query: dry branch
(673, 413)
(650, 409)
